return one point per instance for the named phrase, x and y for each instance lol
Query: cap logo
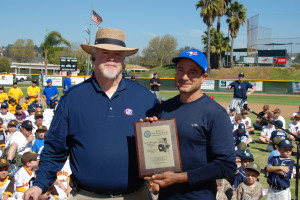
(247, 154)
(255, 165)
(192, 53)
(287, 142)
(3, 160)
(128, 111)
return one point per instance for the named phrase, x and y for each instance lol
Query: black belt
(278, 187)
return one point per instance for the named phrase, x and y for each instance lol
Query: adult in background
(15, 92)
(155, 84)
(277, 114)
(204, 133)
(240, 93)
(103, 160)
(67, 81)
(260, 123)
(50, 92)
(33, 92)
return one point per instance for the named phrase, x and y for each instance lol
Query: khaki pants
(141, 194)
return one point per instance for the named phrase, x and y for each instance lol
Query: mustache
(110, 63)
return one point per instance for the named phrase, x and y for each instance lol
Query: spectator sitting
(31, 112)
(12, 106)
(2, 137)
(247, 121)
(62, 183)
(39, 120)
(40, 135)
(26, 103)
(49, 113)
(20, 115)
(265, 135)
(11, 128)
(7, 182)
(26, 173)
(278, 131)
(224, 189)
(241, 135)
(5, 115)
(260, 123)
(232, 114)
(277, 116)
(294, 127)
(295, 113)
(237, 121)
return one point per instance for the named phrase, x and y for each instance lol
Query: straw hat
(110, 39)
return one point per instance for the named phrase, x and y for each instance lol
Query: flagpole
(88, 61)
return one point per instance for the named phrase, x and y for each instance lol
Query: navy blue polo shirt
(50, 92)
(98, 134)
(240, 89)
(206, 146)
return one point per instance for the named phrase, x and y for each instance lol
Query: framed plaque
(157, 147)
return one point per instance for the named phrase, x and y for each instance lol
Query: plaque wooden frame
(140, 147)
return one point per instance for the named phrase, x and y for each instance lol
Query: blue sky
(141, 20)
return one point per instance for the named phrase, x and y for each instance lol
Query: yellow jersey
(16, 93)
(12, 108)
(33, 91)
(3, 97)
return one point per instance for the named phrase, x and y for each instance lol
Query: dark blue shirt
(277, 180)
(240, 89)
(50, 92)
(206, 146)
(67, 82)
(239, 178)
(98, 134)
(239, 137)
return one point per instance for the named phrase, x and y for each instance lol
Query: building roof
(35, 66)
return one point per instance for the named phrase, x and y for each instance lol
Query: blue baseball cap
(247, 156)
(285, 143)
(193, 54)
(38, 105)
(69, 73)
(49, 80)
(242, 128)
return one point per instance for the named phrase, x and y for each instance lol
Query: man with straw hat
(100, 141)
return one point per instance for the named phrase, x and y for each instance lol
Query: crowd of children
(279, 166)
(15, 178)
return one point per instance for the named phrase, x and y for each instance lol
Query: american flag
(96, 18)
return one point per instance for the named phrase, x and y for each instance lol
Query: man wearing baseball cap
(33, 92)
(204, 132)
(50, 92)
(21, 142)
(67, 81)
(117, 103)
(240, 92)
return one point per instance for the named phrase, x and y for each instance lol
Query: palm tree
(221, 11)
(219, 45)
(52, 40)
(236, 16)
(209, 10)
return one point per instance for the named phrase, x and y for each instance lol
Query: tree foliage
(297, 58)
(160, 49)
(4, 64)
(237, 16)
(22, 50)
(209, 11)
(52, 44)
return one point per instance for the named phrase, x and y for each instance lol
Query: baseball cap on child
(195, 55)
(29, 156)
(241, 74)
(278, 123)
(4, 105)
(4, 163)
(38, 105)
(242, 128)
(18, 107)
(254, 166)
(247, 156)
(49, 80)
(285, 143)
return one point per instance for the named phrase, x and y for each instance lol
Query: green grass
(255, 98)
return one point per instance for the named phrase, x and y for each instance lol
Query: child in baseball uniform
(294, 126)
(251, 188)
(280, 169)
(237, 121)
(62, 183)
(2, 137)
(40, 135)
(6, 182)
(25, 173)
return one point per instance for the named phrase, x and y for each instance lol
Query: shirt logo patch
(147, 134)
(128, 111)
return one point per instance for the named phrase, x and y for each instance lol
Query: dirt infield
(286, 110)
